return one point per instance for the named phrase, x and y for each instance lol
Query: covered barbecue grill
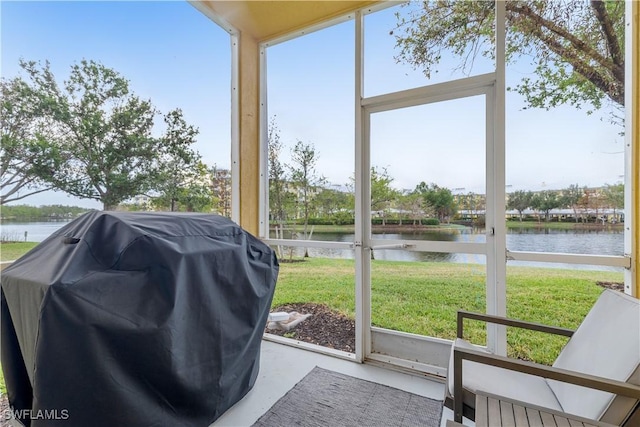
(135, 319)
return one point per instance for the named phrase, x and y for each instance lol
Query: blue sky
(178, 58)
(170, 53)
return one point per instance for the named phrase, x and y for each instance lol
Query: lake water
(36, 231)
(597, 242)
(592, 242)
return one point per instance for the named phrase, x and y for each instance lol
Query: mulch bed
(325, 327)
(616, 286)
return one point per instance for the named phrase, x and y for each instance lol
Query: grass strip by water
(10, 251)
(423, 297)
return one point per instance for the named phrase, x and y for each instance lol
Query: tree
(187, 191)
(305, 177)
(586, 203)
(571, 198)
(382, 194)
(591, 202)
(26, 153)
(577, 46)
(221, 188)
(614, 195)
(439, 198)
(183, 178)
(520, 200)
(104, 132)
(197, 195)
(277, 175)
(544, 201)
(468, 205)
(414, 204)
(330, 201)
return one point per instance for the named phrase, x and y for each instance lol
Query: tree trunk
(306, 251)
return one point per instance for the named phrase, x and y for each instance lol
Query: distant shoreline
(36, 219)
(48, 213)
(395, 228)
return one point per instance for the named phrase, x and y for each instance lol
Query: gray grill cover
(136, 319)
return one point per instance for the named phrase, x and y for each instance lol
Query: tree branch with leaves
(577, 47)
(26, 151)
(183, 181)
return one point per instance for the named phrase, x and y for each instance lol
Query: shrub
(342, 218)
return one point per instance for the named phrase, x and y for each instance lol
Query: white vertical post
(235, 128)
(362, 258)
(496, 226)
(263, 207)
(631, 155)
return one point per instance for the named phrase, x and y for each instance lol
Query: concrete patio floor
(283, 366)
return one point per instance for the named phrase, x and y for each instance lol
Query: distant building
(141, 202)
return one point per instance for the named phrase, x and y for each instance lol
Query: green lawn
(423, 297)
(14, 250)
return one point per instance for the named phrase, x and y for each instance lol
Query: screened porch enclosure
(371, 284)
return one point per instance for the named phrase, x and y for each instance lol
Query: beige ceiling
(266, 20)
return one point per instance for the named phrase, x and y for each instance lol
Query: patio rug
(325, 398)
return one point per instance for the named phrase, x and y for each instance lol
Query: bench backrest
(607, 344)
